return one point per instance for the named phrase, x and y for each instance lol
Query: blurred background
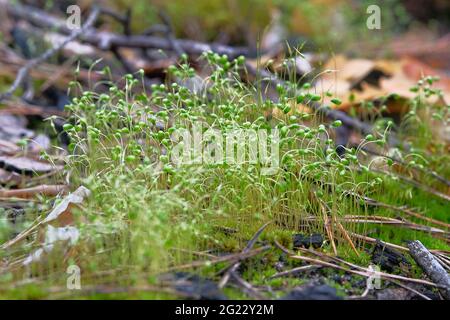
(326, 24)
(415, 30)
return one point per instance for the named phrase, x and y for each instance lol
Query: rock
(312, 292)
(279, 266)
(303, 241)
(388, 259)
(194, 286)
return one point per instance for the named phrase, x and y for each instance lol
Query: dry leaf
(342, 75)
(349, 80)
(60, 216)
(27, 165)
(62, 213)
(355, 70)
(52, 236)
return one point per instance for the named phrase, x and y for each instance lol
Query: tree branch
(24, 71)
(107, 40)
(431, 266)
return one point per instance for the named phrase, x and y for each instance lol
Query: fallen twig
(23, 72)
(107, 40)
(24, 109)
(247, 287)
(294, 271)
(431, 266)
(410, 289)
(46, 190)
(327, 223)
(248, 247)
(392, 221)
(366, 273)
(402, 209)
(396, 246)
(231, 257)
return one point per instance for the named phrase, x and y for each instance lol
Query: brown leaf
(60, 216)
(62, 213)
(355, 81)
(340, 78)
(424, 44)
(352, 70)
(26, 165)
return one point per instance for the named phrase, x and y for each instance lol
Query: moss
(147, 215)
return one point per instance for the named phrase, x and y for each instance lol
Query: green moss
(146, 215)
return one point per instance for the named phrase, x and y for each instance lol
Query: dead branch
(392, 221)
(24, 71)
(294, 271)
(403, 209)
(410, 289)
(230, 257)
(366, 273)
(247, 248)
(10, 62)
(392, 245)
(169, 33)
(247, 287)
(108, 40)
(326, 220)
(431, 266)
(25, 109)
(44, 190)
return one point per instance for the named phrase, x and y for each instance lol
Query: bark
(431, 267)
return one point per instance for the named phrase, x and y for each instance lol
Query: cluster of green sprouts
(148, 213)
(122, 142)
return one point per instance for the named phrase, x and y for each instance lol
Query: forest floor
(145, 166)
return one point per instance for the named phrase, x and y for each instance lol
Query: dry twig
(24, 71)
